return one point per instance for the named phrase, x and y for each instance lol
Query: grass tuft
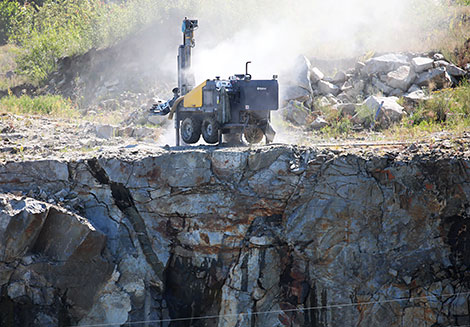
(50, 105)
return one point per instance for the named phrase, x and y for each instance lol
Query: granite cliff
(252, 236)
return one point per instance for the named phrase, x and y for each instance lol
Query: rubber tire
(190, 130)
(210, 130)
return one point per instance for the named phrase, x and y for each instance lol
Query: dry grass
(8, 77)
(450, 40)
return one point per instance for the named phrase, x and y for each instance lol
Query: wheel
(210, 130)
(253, 135)
(191, 130)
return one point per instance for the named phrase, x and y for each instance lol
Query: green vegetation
(449, 107)
(447, 110)
(53, 105)
(8, 10)
(61, 28)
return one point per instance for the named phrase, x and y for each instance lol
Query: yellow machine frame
(193, 99)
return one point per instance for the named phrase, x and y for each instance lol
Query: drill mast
(186, 81)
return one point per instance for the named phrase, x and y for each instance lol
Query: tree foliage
(61, 28)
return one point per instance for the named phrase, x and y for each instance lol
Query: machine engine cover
(258, 95)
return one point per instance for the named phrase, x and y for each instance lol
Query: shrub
(8, 10)
(449, 107)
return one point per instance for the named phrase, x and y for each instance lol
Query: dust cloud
(273, 33)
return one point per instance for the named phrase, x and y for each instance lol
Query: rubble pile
(382, 79)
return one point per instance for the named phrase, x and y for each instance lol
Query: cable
(332, 306)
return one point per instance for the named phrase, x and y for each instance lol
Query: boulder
(353, 88)
(297, 83)
(391, 112)
(438, 56)
(412, 99)
(441, 63)
(326, 101)
(396, 93)
(328, 88)
(414, 88)
(385, 63)
(401, 78)
(318, 124)
(346, 109)
(297, 113)
(157, 120)
(143, 132)
(382, 87)
(339, 78)
(295, 92)
(316, 75)
(453, 70)
(437, 78)
(344, 97)
(299, 73)
(104, 131)
(420, 64)
(359, 67)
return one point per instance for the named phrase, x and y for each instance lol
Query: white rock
(438, 56)
(441, 63)
(359, 67)
(385, 63)
(382, 87)
(414, 88)
(455, 71)
(143, 132)
(391, 111)
(420, 64)
(316, 75)
(157, 120)
(401, 78)
(437, 78)
(104, 131)
(416, 96)
(328, 88)
(299, 73)
(318, 123)
(261, 240)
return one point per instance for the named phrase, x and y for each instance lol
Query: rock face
(360, 239)
(50, 260)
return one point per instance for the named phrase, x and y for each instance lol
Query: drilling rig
(236, 109)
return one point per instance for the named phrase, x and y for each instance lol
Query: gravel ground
(36, 137)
